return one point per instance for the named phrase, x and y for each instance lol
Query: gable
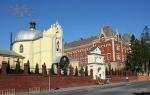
(95, 50)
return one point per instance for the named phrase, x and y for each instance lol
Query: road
(132, 88)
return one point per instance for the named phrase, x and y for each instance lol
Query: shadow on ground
(142, 93)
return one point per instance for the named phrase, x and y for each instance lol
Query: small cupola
(32, 25)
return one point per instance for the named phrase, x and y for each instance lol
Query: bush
(76, 71)
(29, 66)
(18, 68)
(52, 72)
(86, 71)
(8, 70)
(37, 69)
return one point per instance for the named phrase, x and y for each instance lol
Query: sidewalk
(91, 86)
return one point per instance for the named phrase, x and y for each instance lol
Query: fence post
(26, 68)
(4, 63)
(44, 72)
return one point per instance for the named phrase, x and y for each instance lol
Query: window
(57, 47)
(21, 48)
(108, 56)
(118, 56)
(118, 47)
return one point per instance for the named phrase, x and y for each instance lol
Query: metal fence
(8, 92)
(31, 91)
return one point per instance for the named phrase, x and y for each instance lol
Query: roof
(108, 31)
(96, 64)
(28, 35)
(10, 53)
(80, 42)
(93, 48)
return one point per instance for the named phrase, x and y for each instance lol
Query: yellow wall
(12, 61)
(43, 49)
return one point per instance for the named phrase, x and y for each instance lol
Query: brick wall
(22, 82)
(71, 81)
(116, 79)
(143, 77)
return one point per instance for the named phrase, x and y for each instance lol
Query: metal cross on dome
(21, 10)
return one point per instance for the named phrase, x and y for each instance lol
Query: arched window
(21, 48)
(57, 46)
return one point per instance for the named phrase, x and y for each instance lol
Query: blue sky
(79, 18)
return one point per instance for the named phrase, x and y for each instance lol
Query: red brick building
(114, 46)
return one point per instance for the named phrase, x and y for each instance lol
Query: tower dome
(29, 34)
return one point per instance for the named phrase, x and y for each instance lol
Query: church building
(39, 47)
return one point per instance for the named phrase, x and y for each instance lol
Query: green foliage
(112, 70)
(65, 70)
(81, 71)
(138, 59)
(76, 71)
(63, 62)
(8, 70)
(52, 70)
(86, 71)
(18, 68)
(145, 34)
(37, 69)
(29, 66)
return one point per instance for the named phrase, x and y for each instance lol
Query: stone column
(4, 63)
(26, 69)
(44, 72)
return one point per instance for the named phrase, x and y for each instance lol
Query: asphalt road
(133, 88)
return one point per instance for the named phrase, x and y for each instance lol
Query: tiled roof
(80, 42)
(108, 32)
(10, 53)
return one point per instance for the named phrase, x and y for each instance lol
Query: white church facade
(40, 47)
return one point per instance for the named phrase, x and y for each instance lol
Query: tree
(18, 68)
(65, 70)
(63, 62)
(29, 66)
(81, 71)
(76, 71)
(37, 69)
(86, 71)
(138, 59)
(52, 72)
(8, 70)
(145, 34)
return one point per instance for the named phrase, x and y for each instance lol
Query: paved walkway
(90, 86)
